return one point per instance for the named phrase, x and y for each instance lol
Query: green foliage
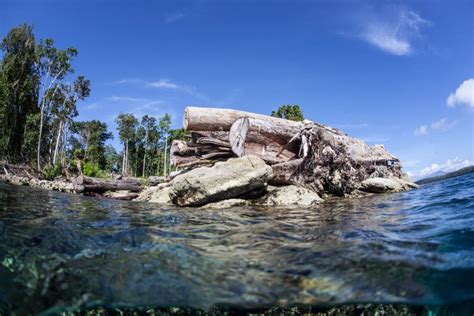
(91, 169)
(289, 112)
(88, 141)
(19, 80)
(51, 173)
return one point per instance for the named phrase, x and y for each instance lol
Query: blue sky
(397, 73)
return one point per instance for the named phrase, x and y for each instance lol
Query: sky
(397, 73)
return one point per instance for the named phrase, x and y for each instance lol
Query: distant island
(453, 174)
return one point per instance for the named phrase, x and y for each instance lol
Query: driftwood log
(305, 153)
(84, 184)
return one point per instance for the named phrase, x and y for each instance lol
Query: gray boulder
(155, 180)
(290, 195)
(158, 194)
(382, 185)
(224, 180)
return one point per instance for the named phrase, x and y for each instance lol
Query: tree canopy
(289, 112)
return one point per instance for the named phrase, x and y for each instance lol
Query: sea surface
(61, 252)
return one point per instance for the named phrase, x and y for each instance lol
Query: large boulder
(290, 195)
(224, 180)
(382, 185)
(158, 194)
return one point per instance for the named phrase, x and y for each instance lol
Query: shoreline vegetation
(222, 156)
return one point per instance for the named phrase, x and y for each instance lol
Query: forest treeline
(39, 94)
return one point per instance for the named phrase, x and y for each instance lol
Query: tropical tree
(289, 112)
(18, 88)
(53, 65)
(88, 141)
(126, 126)
(64, 106)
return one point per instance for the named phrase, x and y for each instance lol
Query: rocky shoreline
(245, 181)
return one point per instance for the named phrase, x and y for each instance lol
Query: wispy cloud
(173, 17)
(441, 125)
(125, 98)
(464, 94)
(421, 131)
(392, 30)
(164, 84)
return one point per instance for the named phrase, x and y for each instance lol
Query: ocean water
(61, 252)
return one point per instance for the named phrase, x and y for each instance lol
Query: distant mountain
(437, 174)
(441, 175)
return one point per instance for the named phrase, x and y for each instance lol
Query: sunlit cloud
(464, 94)
(448, 166)
(392, 31)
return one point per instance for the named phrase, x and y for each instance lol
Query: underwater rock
(226, 204)
(382, 185)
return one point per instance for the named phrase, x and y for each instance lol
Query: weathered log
(83, 184)
(265, 139)
(213, 119)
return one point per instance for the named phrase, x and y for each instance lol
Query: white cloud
(464, 94)
(421, 131)
(164, 84)
(449, 166)
(173, 17)
(126, 99)
(393, 32)
(443, 124)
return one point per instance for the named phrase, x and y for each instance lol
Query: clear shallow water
(60, 251)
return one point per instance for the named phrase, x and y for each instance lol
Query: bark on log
(264, 139)
(213, 119)
(83, 184)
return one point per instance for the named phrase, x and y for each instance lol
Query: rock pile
(304, 159)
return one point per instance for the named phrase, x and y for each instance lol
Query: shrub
(51, 173)
(93, 170)
(90, 169)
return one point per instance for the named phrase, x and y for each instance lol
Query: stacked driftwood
(306, 153)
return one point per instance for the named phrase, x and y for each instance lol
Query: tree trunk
(144, 155)
(213, 119)
(58, 138)
(83, 184)
(164, 160)
(38, 149)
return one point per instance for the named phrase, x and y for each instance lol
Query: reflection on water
(59, 250)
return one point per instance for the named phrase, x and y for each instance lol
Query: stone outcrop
(382, 185)
(290, 195)
(224, 180)
(158, 194)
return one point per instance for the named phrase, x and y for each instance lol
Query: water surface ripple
(59, 250)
